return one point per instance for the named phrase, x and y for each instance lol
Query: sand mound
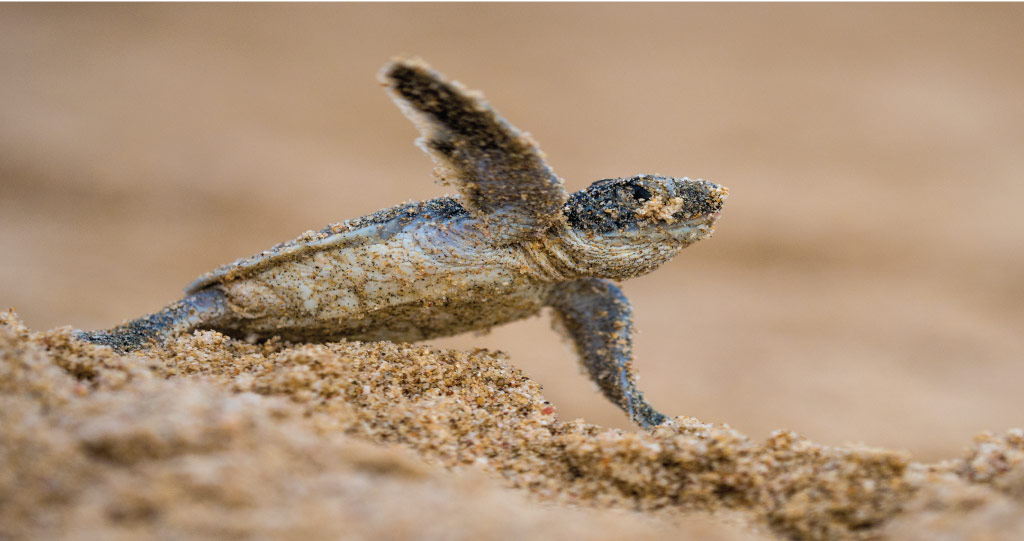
(212, 436)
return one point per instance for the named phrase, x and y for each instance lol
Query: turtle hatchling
(512, 242)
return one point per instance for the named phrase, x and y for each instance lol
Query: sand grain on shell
(208, 435)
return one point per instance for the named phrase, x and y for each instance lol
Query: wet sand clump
(211, 436)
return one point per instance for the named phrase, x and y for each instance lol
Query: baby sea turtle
(512, 242)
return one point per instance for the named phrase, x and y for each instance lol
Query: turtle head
(624, 227)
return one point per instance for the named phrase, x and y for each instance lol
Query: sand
(211, 436)
(864, 282)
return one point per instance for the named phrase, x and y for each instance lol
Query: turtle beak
(702, 201)
(718, 195)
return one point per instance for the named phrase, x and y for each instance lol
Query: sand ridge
(206, 420)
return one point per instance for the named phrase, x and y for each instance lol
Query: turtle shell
(377, 227)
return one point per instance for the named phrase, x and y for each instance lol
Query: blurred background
(865, 284)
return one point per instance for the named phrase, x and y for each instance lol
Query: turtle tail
(197, 310)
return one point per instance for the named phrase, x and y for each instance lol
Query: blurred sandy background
(865, 283)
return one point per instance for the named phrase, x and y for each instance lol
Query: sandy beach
(844, 355)
(207, 436)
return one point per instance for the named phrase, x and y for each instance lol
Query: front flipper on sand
(599, 320)
(500, 172)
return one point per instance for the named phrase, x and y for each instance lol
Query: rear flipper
(194, 311)
(599, 320)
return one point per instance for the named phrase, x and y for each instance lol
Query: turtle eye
(640, 193)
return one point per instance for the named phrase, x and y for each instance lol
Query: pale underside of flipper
(500, 172)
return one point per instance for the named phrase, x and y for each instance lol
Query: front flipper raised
(599, 320)
(500, 172)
